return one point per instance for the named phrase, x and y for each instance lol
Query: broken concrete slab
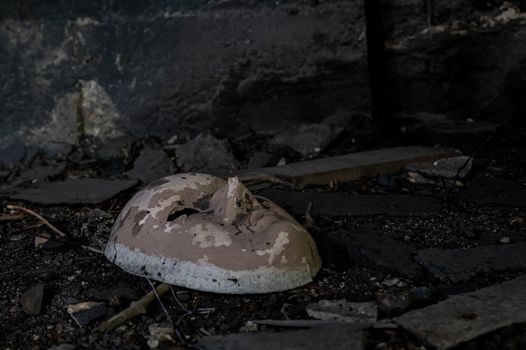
(369, 248)
(152, 164)
(488, 190)
(467, 316)
(307, 139)
(85, 312)
(360, 314)
(72, 191)
(206, 154)
(446, 169)
(31, 300)
(456, 265)
(345, 204)
(347, 167)
(335, 337)
(39, 173)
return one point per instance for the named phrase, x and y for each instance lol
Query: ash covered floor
(400, 246)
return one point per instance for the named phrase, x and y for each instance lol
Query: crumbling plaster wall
(157, 68)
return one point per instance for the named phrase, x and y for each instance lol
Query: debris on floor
(308, 139)
(442, 171)
(463, 317)
(31, 300)
(73, 191)
(151, 164)
(205, 154)
(221, 238)
(368, 248)
(335, 337)
(85, 312)
(457, 265)
(361, 314)
(348, 167)
(160, 334)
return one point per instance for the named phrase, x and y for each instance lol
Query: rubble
(335, 337)
(394, 302)
(446, 170)
(260, 160)
(211, 235)
(85, 312)
(205, 154)
(463, 317)
(308, 139)
(31, 300)
(348, 167)
(457, 265)
(151, 164)
(72, 191)
(360, 314)
(160, 333)
(367, 248)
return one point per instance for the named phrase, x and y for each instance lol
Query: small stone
(159, 333)
(31, 300)
(259, 160)
(205, 154)
(391, 282)
(85, 312)
(307, 139)
(505, 240)
(151, 164)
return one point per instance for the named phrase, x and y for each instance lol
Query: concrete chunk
(349, 167)
(467, 316)
(73, 191)
(462, 264)
(335, 337)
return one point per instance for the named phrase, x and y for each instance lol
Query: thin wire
(160, 301)
(178, 301)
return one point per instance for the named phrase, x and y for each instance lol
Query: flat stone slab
(456, 265)
(345, 204)
(348, 167)
(467, 316)
(488, 190)
(72, 191)
(368, 248)
(335, 337)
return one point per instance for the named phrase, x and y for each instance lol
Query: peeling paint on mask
(201, 232)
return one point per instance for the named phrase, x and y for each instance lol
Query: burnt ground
(72, 274)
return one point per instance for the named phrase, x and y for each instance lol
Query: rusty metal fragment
(205, 233)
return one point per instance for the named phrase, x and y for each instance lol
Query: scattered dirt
(71, 274)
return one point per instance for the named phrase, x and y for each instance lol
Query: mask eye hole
(184, 211)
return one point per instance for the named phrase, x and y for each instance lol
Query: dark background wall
(152, 67)
(108, 69)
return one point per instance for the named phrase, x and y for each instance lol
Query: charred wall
(110, 68)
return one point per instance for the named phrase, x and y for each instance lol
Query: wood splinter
(136, 308)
